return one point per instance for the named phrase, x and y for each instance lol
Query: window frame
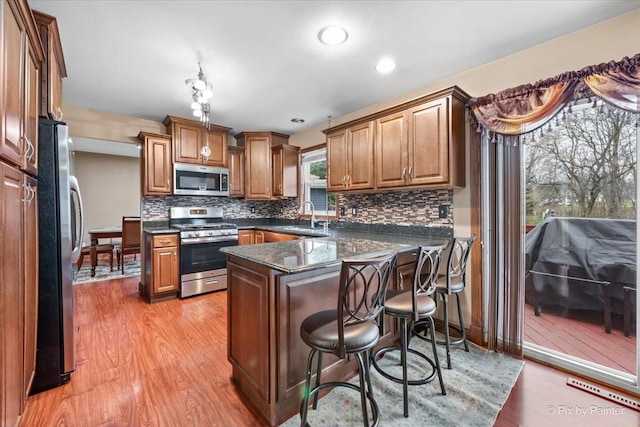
(308, 156)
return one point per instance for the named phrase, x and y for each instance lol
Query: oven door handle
(198, 240)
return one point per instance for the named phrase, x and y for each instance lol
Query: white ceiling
(265, 62)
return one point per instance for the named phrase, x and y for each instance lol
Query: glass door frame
(606, 375)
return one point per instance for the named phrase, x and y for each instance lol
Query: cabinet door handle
(164, 242)
(210, 282)
(30, 148)
(404, 174)
(401, 281)
(409, 172)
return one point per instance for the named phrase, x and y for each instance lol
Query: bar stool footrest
(459, 339)
(381, 352)
(375, 412)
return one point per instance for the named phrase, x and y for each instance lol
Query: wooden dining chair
(130, 239)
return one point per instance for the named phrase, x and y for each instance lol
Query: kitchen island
(272, 288)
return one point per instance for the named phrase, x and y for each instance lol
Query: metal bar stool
(349, 329)
(411, 305)
(453, 283)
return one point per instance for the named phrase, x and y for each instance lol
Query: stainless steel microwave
(195, 180)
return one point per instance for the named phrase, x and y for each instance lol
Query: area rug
(477, 386)
(103, 272)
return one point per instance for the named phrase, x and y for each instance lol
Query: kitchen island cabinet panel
(299, 296)
(249, 301)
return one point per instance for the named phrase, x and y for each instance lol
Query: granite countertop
(310, 253)
(412, 240)
(160, 230)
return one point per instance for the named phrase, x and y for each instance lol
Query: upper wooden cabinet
(412, 147)
(31, 104)
(53, 67)
(285, 160)
(418, 144)
(236, 171)
(258, 162)
(193, 143)
(155, 163)
(350, 158)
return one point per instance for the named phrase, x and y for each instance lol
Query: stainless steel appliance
(195, 180)
(203, 268)
(60, 229)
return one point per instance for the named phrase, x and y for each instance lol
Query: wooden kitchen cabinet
(413, 147)
(350, 156)
(191, 140)
(285, 160)
(270, 236)
(13, 53)
(162, 269)
(12, 295)
(53, 67)
(418, 144)
(155, 163)
(258, 236)
(246, 237)
(20, 57)
(30, 242)
(236, 171)
(30, 114)
(258, 180)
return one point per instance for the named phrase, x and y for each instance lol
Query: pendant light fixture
(201, 97)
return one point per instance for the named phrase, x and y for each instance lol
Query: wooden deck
(581, 333)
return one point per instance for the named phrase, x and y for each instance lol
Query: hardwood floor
(162, 364)
(165, 364)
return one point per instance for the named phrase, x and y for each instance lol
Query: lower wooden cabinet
(246, 237)
(270, 236)
(162, 273)
(251, 237)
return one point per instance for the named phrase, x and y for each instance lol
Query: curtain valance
(525, 108)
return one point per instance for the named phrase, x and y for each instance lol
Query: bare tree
(591, 153)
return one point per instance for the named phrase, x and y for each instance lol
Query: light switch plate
(443, 211)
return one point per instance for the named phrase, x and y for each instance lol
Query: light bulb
(333, 36)
(385, 65)
(196, 106)
(199, 84)
(197, 113)
(207, 94)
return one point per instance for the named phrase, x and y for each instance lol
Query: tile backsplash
(419, 207)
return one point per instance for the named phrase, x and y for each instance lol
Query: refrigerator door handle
(77, 245)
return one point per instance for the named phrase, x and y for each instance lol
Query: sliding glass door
(580, 194)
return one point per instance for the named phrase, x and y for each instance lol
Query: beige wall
(110, 187)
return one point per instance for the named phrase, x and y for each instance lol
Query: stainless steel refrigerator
(60, 228)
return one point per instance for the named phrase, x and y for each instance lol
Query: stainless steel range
(203, 268)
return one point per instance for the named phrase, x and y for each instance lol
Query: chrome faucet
(313, 217)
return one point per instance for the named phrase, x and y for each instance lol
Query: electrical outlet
(443, 211)
(343, 211)
(354, 211)
(253, 210)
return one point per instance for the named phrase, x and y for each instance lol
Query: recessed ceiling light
(297, 120)
(333, 36)
(385, 65)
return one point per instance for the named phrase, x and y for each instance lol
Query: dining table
(95, 234)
